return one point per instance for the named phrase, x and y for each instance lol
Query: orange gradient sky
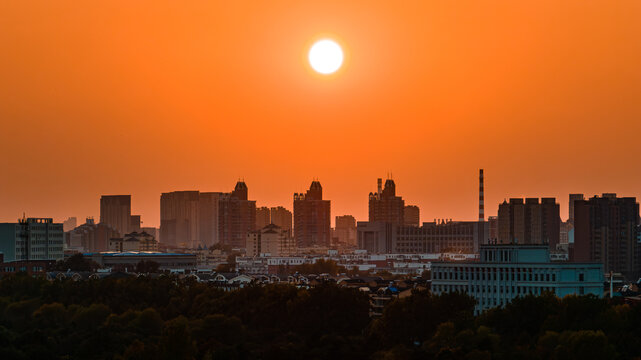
(144, 97)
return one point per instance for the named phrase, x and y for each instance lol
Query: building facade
(345, 230)
(411, 215)
(505, 272)
(312, 217)
(263, 217)
(271, 240)
(237, 216)
(606, 230)
(385, 206)
(529, 222)
(90, 237)
(32, 239)
(179, 218)
(433, 237)
(115, 211)
(281, 217)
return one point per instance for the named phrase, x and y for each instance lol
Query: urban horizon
(151, 218)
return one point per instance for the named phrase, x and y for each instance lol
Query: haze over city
(154, 97)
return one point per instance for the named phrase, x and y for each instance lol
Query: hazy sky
(144, 97)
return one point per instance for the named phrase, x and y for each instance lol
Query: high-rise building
(493, 224)
(135, 224)
(271, 240)
(70, 224)
(573, 198)
(385, 206)
(312, 219)
(529, 222)
(263, 217)
(208, 218)
(411, 215)
(237, 216)
(345, 229)
(32, 239)
(606, 230)
(179, 218)
(115, 211)
(282, 217)
(192, 219)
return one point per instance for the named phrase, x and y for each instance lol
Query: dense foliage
(167, 318)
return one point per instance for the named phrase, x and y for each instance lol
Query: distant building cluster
(525, 249)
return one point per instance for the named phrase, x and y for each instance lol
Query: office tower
(481, 197)
(606, 230)
(385, 206)
(237, 216)
(135, 224)
(70, 224)
(208, 218)
(115, 211)
(32, 239)
(90, 236)
(493, 224)
(573, 198)
(271, 240)
(345, 229)
(312, 217)
(263, 217)
(529, 222)
(412, 215)
(179, 220)
(281, 217)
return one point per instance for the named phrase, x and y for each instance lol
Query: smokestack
(380, 186)
(481, 197)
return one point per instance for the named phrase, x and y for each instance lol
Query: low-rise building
(166, 261)
(507, 271)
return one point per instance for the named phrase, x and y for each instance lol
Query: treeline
(168, 318)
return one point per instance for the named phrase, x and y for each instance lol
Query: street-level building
(507, 271)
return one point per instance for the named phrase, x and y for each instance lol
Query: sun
(325, 56)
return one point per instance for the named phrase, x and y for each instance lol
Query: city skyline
(151, 219)
(429, 91)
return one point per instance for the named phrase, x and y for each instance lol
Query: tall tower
(481, 197)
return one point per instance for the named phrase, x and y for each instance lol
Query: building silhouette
(208, 219)
(312, 220)
(192, 218)
(70, 224)
(572, 199)
(529, 222)
(606, 230)
(281, 217)
(345, 229)
(90, 236)
(271, 240)
(179, 218)
(115, 211)
(237, 216)
(385, 206)
(263, 217)
(411, 215)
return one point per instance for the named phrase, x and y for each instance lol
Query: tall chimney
(380, 186)
(481, 197)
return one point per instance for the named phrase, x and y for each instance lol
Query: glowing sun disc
(325, 56)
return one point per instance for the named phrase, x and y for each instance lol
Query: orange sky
(144, 97)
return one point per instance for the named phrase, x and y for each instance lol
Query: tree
(76, 262)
